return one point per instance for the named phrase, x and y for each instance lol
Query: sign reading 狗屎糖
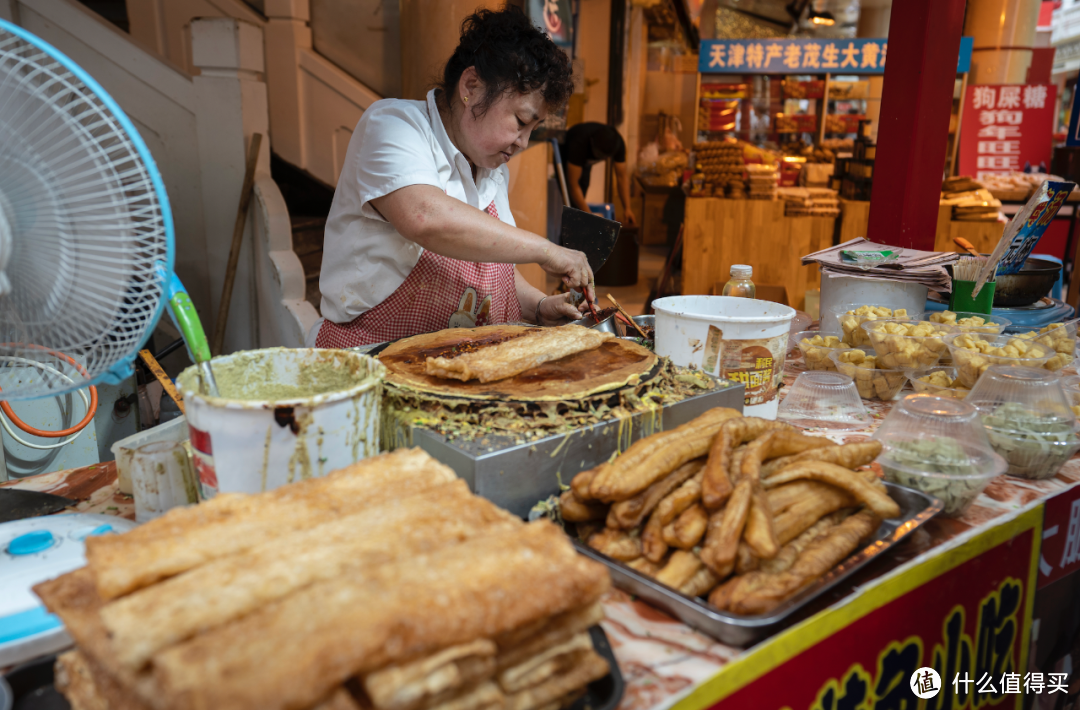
(1005, 128)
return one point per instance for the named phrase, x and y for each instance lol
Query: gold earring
(465, 99)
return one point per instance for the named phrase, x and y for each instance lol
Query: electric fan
(86, 233)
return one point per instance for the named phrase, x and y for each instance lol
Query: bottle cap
(742, 271)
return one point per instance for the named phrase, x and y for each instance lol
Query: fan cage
(90, 225)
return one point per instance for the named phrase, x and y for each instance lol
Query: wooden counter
(721, 232)
(984, 236)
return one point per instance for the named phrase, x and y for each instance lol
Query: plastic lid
(930, 434)
(742, 271)
(824, 400)
(1021, 400)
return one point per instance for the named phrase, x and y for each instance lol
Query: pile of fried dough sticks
(744, 510)
(385, 585)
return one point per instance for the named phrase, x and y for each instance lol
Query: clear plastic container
(967, 322)
(939, 446)
(815, 347)
(973, 353)
(824, 400)
(846, 318)
(1059, 337)
(1071, 386)
(1028, 419)
(940, 381)
(905, 344)
(740, 284)
(871, 382)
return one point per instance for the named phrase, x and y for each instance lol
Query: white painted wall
(314, 104)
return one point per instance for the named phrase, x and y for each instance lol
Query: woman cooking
(420, 235)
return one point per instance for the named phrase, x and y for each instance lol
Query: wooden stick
(237, 239)
(166, 383)
(627, 316)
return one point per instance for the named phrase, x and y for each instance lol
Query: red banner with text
(950, 633)
(1006, 128)
(1060, 555)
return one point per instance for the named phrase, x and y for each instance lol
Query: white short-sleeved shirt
(397, 143)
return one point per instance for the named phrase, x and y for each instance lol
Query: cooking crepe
(615, 364)
(518, 354)
(292, 652)
(161, 615)
(185, 538)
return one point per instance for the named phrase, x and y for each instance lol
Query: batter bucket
(283, 415)
(739, 339)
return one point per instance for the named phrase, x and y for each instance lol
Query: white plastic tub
(840, 290)
(283, 415)
(739, 339)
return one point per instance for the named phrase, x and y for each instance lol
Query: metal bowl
(644, 322)
(607, 325)
(1035, 280)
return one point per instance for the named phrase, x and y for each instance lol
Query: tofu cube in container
(903, 344)
(974, 353)
(872, 381)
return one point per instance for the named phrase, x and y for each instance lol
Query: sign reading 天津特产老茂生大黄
(804, 56)
(948, 631)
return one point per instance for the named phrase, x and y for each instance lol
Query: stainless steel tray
(916, 508)
(515, 476)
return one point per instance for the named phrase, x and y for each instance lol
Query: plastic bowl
(938, 445)
(904, 344)
(845, 322)
(1028, 419)
(816, 356)
(824, 400)
(1071, 386)
(871, 382)
(1059, 337)
(971, 362)
(954, 392)
(992, 325)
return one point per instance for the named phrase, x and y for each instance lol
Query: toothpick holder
(962, 300)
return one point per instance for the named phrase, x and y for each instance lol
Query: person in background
(585, 145)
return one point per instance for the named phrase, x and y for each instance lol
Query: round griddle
(613, 365)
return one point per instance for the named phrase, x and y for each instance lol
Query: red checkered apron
(438, 293)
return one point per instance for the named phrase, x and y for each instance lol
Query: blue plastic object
(31, 543)
(27, 623)
(1022, 318)
(604, 209)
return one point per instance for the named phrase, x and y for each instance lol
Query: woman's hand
(558, 310)
(572, 266)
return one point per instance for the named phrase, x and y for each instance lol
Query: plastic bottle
(740, 284)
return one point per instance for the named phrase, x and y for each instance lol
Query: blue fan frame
(123, 368)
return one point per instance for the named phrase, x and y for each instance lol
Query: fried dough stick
(848, 455)
(745, 583)
(629, 513)
(653, 546)
(679, 500)
(581, 482)
(654, 457)
(725, 529)
(680, 569)
(717, 485)
(616, 544)
(687, 530)
(759, 534)
(575, 510)
(868, 494)
(821, 555)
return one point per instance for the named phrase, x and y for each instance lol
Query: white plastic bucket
(739, 339)
(283, 415)
(842, 290)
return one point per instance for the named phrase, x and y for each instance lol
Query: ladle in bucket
(186, 319)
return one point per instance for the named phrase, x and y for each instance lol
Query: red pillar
(916, 102)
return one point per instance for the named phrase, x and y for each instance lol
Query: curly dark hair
(510, 55)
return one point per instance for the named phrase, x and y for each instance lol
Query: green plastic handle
(187, 320)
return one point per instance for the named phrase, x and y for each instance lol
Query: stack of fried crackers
(386, 585)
